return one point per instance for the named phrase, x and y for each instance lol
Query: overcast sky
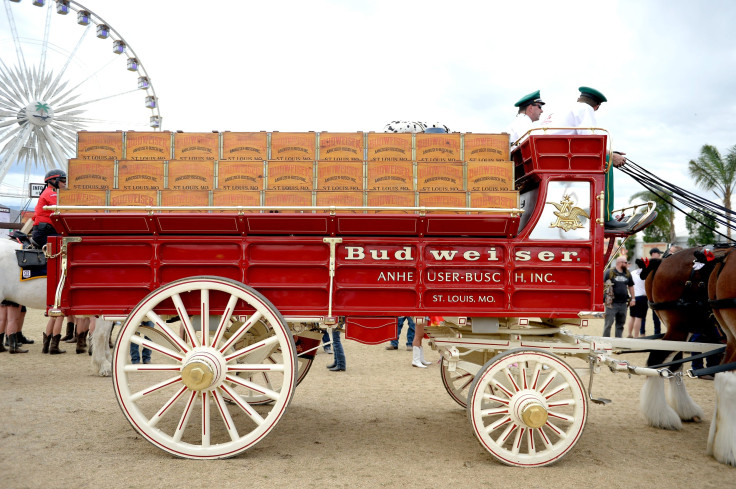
(668, 68)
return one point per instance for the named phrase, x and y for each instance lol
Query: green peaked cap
(594, 94)
(531, 98)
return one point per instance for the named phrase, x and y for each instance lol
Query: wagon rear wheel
(527, 407)
(194, 399)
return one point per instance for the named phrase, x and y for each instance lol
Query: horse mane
(648, 266)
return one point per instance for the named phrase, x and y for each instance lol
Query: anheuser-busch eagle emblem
(568, 216)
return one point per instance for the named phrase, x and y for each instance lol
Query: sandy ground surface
(380, 424)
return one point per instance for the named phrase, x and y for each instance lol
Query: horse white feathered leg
(101, 353)
(32, 294)
(723, 426)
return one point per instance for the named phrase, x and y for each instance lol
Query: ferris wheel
(63, 69)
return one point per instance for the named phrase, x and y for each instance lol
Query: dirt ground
(381, 423)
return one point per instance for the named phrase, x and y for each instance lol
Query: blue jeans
(409, 333)
(325, 340)
(337, 349)
(135, 356)
(657, 325)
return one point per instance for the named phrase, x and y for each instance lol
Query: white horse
(32, 294)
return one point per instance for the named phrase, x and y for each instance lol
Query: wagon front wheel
(193, 397)
(527, 407)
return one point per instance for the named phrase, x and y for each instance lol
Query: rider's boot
(69, 332)
(46, 343)
(417, 357)
(81, 342)
(73, 337)
(2, 340)
(23, 340)
(15, 344)
(54, 348)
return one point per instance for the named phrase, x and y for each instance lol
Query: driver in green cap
(530, 108)
(580, 119)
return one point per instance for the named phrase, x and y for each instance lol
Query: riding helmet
(53, 176)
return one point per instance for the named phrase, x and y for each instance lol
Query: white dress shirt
(580, 115)
(521, 124)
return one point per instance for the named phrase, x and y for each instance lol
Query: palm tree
(663, 227)
(711, 172)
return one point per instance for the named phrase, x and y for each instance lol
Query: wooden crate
(100, 145)
(196, 146)
(134, 197)
(240, 175)
(348, 199)
(293, 146)
(244, 146)
(440, 177)
(388, 146)
(390, 176)
(290, 175)
(438, 147)
(191, 175)
(82, 197)
(340, 175)
(490, 176)
(195, 198)
(390, 199)
(236, 198)
(340, 146)
(486, 147)
(147, 145)
(277, 197)
(499, 200)
(443, 199)
(140, 175)
(91, 174)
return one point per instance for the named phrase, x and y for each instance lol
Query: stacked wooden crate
(299, 169)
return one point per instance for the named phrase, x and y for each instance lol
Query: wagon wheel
(267, 379)
(178, 401)
(457, 382)
(527, 407)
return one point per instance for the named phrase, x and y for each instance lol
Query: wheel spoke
(165, 408)
(501, 387)
(185, 321)
(204, 315)
(536, 375)
(256, 367)
(517, 441)
(156, 347)
(271, 394)
(225, 413)
(500, 422)
(494, 411)
(240, 402)
(268, 342)
(205, 419)
(184, 420)
(564, 417)
(556, 390)
(173, 337)
(136, 396)
(241, 331)
(224, 320)
(550, 377)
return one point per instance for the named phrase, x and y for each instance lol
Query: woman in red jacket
(42, 227)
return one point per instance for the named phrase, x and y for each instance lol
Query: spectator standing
(409, 333)
(622, 286)
(653, 253)
(639, 310)
(339, 363)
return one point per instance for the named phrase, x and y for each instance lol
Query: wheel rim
(196, 397)
(456, 383)
(527, 407)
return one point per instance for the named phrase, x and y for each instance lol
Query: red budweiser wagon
(231, 300)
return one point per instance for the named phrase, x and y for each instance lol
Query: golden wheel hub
(534, 415)
(197, 375)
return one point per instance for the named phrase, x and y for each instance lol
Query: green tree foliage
(663, 227)
(712, 172)
(699, 234)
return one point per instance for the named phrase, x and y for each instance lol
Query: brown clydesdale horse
(693, 291)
